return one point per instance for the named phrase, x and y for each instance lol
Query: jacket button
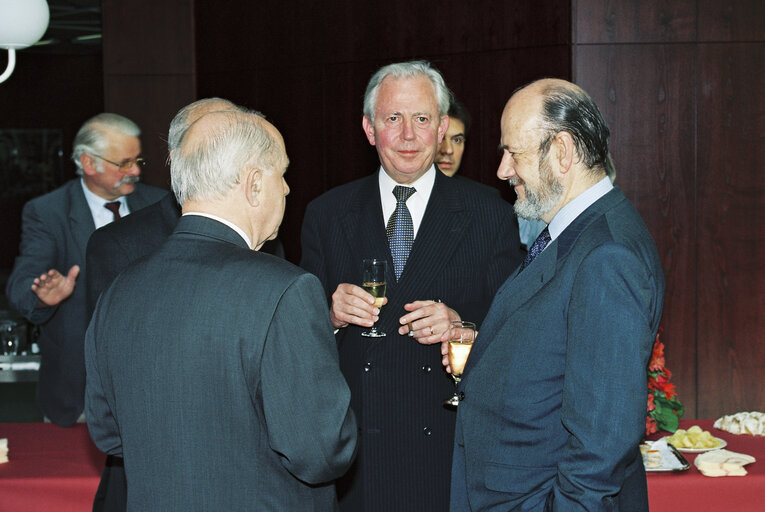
(367, 366)
(427, 431)
(426, 368)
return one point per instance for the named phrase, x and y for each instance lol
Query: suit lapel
(520, 287)
(444, 222)
(81, 223)
(363, 228)
(513, 294)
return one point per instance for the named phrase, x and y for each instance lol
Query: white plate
(722, 444)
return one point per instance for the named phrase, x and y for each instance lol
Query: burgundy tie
(114, 208)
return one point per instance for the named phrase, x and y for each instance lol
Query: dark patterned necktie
(400, 229)
(536, 248)
(114, 208)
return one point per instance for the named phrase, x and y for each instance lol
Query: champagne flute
(373, 282)
(461, 338)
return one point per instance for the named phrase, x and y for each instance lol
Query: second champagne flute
(461, 338)
(373, 282)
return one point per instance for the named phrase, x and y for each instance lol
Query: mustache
(515, 180)
(127, 179)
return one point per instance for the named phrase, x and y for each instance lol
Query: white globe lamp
(22, 24)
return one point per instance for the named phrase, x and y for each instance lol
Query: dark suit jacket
(556, 385)
(466, 246)
(55, 232)
(113, 247)
(223, 392)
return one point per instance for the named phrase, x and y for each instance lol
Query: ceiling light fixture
(22, 24)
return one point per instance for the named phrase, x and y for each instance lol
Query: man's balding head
(191, 113)
(217, 147)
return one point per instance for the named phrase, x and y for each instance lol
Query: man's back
(216, 385)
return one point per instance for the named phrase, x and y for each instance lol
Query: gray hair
(208, 166)
(406, 69)
(93, 136)
(570, 109)
(181, 122)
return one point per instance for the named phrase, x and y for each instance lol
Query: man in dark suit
(555, 388)
(224, 392)
(55, 231)
(113, 247)
(464, 246)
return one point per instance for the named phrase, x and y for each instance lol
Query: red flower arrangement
(664, 409)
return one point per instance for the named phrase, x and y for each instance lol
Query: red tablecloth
(691, 491)
(50, 468)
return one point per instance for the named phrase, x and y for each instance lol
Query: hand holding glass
(461, 338)
(373, 282)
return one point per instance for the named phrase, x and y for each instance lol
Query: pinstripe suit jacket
(466, 246)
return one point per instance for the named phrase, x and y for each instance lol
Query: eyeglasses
(125, 165)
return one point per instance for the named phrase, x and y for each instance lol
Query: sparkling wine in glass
(461, 338)
(373, 282)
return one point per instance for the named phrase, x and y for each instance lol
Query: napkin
(3, 450)
(722, 463)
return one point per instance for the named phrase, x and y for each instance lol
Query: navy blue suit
(223, 391)
(55, 232)
(555, 388)
(466, 246)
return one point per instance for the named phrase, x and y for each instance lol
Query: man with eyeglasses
(44, 285)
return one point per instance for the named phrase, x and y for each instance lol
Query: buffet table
(50, 468)
(54, 468)
(691, 491)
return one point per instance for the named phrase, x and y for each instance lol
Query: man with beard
(555, 387)
(44, 285)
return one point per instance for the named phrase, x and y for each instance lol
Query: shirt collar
(576, 206)
(230, 224)
(416, 204)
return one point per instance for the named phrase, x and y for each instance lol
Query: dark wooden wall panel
(731, 244)
(685, 103)
(634, 21)
(731, 20)
(149, 70)
(646, 94)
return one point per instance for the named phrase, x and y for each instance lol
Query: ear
(369, 129)
(253, 186)
(88, 164)
(564, 151)
(442, 127)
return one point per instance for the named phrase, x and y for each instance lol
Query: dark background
(681, 84)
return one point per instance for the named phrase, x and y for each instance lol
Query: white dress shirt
(416, 203)
(102, 215)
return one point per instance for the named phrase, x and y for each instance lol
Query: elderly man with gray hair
(44, 285)
(224, 392)
(448, 246)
